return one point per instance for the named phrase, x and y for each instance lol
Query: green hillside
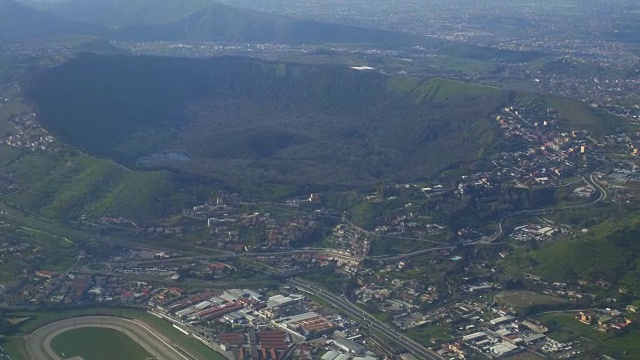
(248, 122)
(67, 185)
(609, 252)
(574, 114)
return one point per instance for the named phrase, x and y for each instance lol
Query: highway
(408, 255)
(38, 344)
(383, 329)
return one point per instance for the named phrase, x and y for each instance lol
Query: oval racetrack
(39, 342)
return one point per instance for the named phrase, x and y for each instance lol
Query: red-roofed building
(45, 274)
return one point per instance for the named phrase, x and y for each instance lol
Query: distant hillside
(18, 21)
(249, 122)
(41, 4)
(118, 13)
(208, 20)
(223, 23)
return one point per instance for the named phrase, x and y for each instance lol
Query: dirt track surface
(160, 347)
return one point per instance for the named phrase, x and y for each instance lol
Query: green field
(98, 344)
(522, 301)
(430, 334)
(574, 114)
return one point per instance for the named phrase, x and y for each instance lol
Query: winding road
(160, 347)
(491, 240)
(602, 195)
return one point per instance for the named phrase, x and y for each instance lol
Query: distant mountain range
(222, 23)
(120, 13)
(208, 20)
(18, 21)
(196, 20)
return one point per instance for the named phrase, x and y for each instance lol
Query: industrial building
(280, 300)
(349, 346)
(310, 325)
(501, 320)
(504, 349)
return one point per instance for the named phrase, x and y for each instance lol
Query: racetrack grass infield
(41, 318)
(94, 343)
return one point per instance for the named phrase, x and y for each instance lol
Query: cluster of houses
(236, 226)
(28, 134)
(605, 319)
(350, 239)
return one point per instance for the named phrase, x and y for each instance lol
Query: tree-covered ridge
(244, 119)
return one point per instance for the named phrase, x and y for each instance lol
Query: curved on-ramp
(160, 347)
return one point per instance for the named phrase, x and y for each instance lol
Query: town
(523, 248)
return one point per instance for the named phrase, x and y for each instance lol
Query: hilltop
(250, 122)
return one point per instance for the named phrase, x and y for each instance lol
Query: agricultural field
(522, 301)
(98, 344)
(430, 334)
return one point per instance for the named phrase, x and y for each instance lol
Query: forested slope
(245, 120)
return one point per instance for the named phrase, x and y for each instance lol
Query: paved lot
(162, 348)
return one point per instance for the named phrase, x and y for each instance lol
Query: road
(39, 342)
(602, 195)
(383, 329)
(408, 255)
(371, 233)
